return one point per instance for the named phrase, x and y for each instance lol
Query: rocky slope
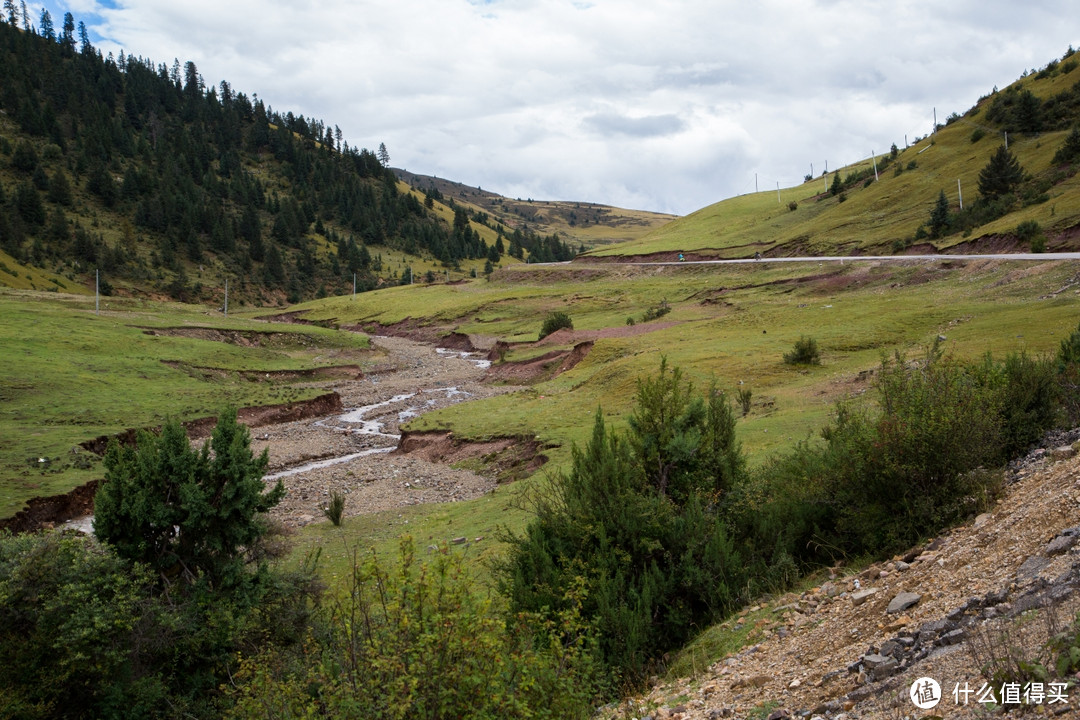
(853, 646)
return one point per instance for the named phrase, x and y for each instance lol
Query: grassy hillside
(170, 188)
(884, 215)
(582, 223)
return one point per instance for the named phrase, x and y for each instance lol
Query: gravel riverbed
(352, 452)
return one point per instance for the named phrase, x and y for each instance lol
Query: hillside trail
(352, 453)
(856, 644)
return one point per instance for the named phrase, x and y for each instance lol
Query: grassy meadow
(728, 324)
(71, 375)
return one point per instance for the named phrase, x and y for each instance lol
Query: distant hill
(886, 204)
(581, 223)
(169, 188)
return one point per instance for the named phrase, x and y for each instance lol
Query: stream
(350, 452)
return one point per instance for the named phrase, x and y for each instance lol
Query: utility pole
(960, 193)
(935, 121)
(354, 286)
(778, 193)
(874, 158)
(755, 183)
(97, 292)
(226, 297)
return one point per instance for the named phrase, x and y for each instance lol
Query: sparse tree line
(1003, 184)
(191, 174)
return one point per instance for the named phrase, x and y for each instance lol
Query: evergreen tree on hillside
(1001, 175)
(939, 216)
(159, 150)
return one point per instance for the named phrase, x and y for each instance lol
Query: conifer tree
(1000, 175)
(939, 216)
(191, 516)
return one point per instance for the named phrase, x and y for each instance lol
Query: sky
(662, 105)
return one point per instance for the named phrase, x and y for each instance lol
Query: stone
(891, 648)
(1063, 452)
(458, 541)
(898, 623)
(981, 519)
(794, 684)
(858, 598)
(1031, 567)
(901, 566)
(951, 638)
(1061, 544)
(902, 602)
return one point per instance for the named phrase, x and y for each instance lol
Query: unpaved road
(409, 379)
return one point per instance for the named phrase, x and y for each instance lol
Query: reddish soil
(250, 416)
(47, 512)
(508, 458)
(544, 367)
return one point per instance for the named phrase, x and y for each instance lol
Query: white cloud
(664, 105)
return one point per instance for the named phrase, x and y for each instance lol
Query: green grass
(733, 324)
(71, 375)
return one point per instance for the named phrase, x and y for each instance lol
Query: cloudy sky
(665, 105)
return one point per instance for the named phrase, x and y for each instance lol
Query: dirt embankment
(545, 367)
(250, 416)
(507, 458)
(46, 512)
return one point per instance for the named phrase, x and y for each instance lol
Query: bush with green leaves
(1067, 364)
(195, 517)
(637, 524)
(70, 612)
(420, 640)
(805, 352)
(557, 320)
(335, 509)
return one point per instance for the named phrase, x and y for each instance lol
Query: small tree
(191, 516)
(636, 524)
(1001, 175)
(939, 216)
(805, 352)
(1069, 152)
(557, 320)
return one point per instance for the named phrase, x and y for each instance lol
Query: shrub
(1068, 375)
(420, 641)
(805, 352)
(555, 321)
(636, 524)
(977, 135)
(656, 311)
(905, 473)
(744, 395)
(793, 206)
(1030, 402)
(336, 508)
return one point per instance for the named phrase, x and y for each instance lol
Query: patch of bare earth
(414, 378)
(854, 646)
